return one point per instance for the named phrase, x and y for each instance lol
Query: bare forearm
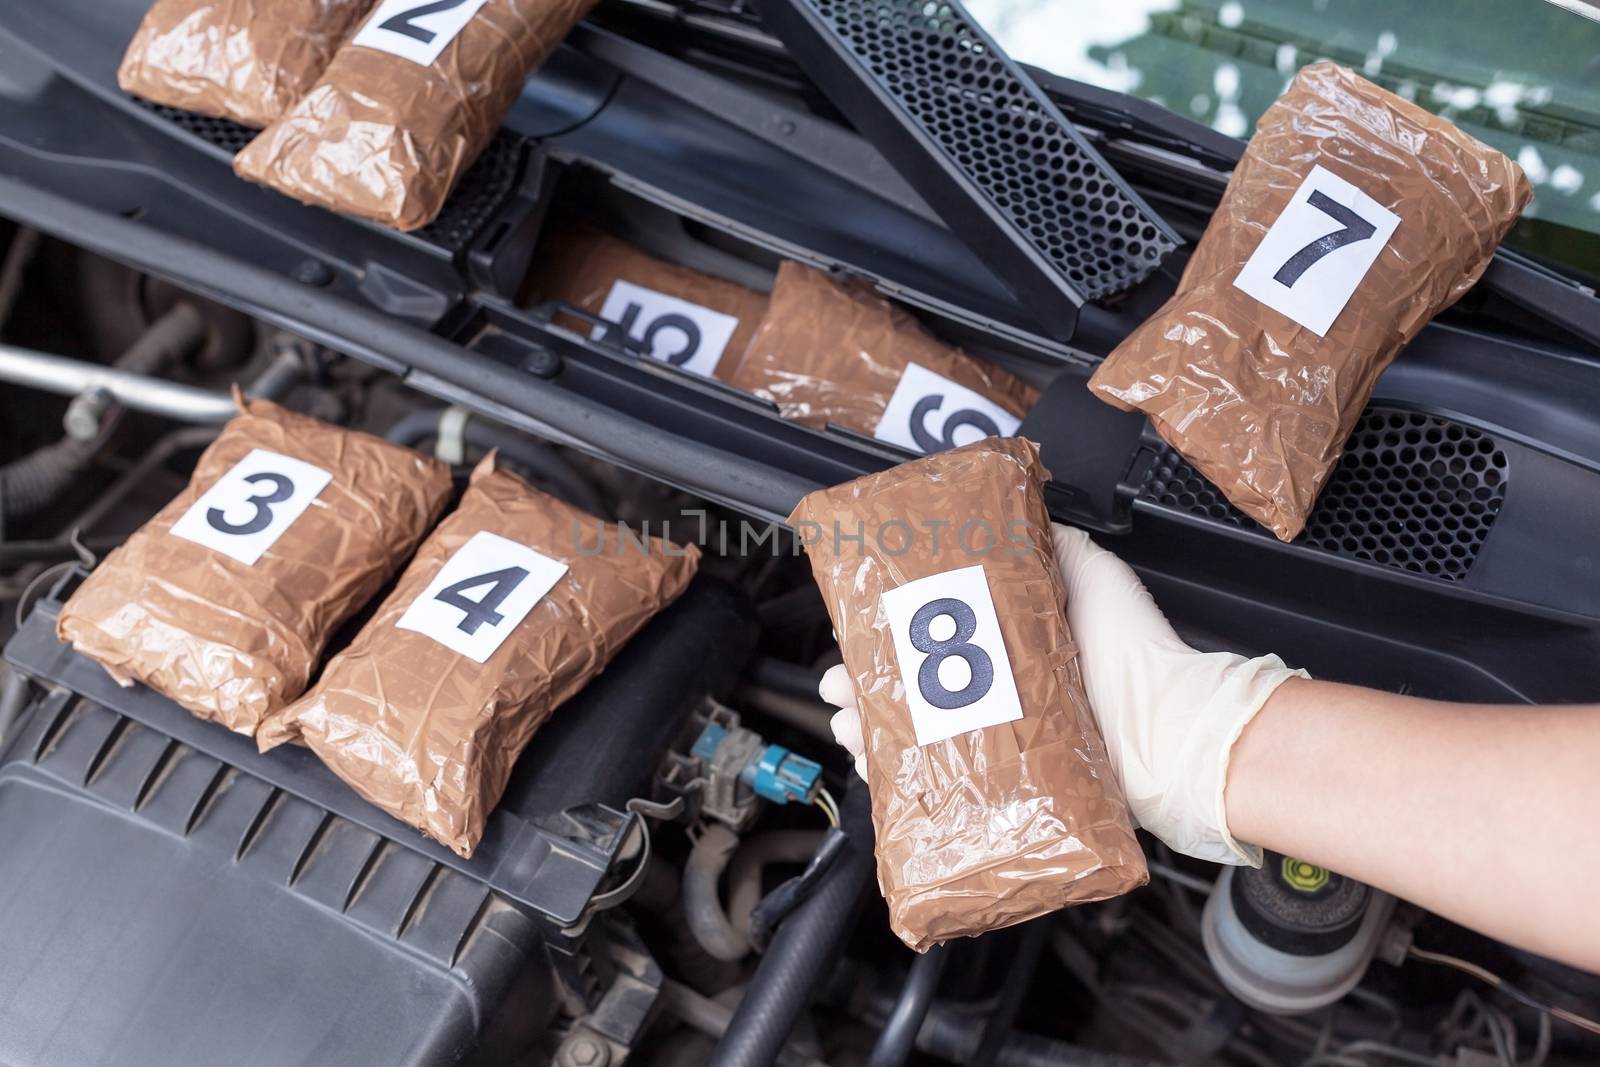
(1480, 813)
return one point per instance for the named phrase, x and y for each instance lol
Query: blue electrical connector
(781, 776)
(772, 772)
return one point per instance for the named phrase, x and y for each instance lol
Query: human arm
(1481, 813)
(1477, 813)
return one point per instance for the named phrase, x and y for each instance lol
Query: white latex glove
(1169, 714)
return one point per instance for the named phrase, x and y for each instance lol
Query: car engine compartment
(645, 893)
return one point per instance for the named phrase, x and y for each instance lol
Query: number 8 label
(953, 663)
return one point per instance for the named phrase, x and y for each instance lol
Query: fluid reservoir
(1292, 937)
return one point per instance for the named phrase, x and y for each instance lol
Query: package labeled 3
(406, 106)
(246, 62)
(1353, 218)
(675, 314)
(225, 599)
(992, 795)
(513, 603)
(830, 352)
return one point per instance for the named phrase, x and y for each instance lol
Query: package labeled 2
(406, 105)
(992, 796)
(1353, 218)
(225, 599)
(512, 604)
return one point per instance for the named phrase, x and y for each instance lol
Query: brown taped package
(982, 828)
(390, 126)
(1256, 399)
(233, 641)
(430, 733)
(246, 62)
(581, 266)
(830, 352)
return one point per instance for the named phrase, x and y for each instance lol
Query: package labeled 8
(930, 413)
(952, 657)
(673, 330)
(250, 507)
(481, 594)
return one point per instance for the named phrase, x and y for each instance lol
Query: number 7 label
(1318, 250)
(481, 594)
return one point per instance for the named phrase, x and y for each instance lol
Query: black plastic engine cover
(167, 900)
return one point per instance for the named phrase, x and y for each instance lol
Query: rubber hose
(805, 947)
(538, 458)
(753, 857)
(28, 485)
(702, 904)
(1019, 977)
(169, 338)
(899, 1034)
(955, 1036)
(787, 677)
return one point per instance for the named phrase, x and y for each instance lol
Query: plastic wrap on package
(1258, 389)
(232, 640)
(248, 61)
(390, 126)
(429, 732)
(982, 827)
(831, 352)
(583, 267)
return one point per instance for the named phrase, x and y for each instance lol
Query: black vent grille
(478, 195)
(1049, 214)
(475, 199)
(1411, 491)
(223, 133)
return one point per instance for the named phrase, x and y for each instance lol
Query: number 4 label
(481, 594)
(1316, 253)
(953, 661)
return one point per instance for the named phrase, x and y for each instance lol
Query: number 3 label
(930, 413)
(952, 658)
(481, 594)
(251, 506)
(417, 30)
(1316, 253)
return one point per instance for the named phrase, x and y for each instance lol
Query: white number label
(929, 413)
(953, 660)
(249, 508)
(481, 594)
(672, 330)
(417, 30)
(1316, 253)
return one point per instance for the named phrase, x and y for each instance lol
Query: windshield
(1521, 75)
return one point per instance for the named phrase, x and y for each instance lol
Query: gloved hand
(1169, 714)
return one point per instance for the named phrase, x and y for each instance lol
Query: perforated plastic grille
(228, 136)
(475, 198)
(1411, 491)
(935, 61)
